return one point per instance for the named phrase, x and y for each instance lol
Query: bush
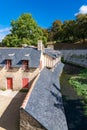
(80, 83)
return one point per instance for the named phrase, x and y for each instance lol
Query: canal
(73, 105)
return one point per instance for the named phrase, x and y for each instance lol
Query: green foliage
(81, 21)
(80, 83)
(62, 59)
(70, 30)
(83, 73)
(3, 89)
(54, 31)
(24, 90)
(24, 30)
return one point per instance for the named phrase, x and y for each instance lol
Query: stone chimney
(40, 45)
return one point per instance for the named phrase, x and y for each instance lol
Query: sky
(44, 12)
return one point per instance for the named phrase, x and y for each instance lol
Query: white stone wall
(51, 62)
(78, 57)
(17, 75)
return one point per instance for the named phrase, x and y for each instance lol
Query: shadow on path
(10, 118)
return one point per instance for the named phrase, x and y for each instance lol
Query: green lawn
(79, 82)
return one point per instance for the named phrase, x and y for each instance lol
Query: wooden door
(9, 83)
(25, 82)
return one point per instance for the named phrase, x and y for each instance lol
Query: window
(25, 64)
(8, 64)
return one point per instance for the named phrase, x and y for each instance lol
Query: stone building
(19, 66)
(42, 108)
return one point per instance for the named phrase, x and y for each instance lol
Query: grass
(79, 82)
(3, 89)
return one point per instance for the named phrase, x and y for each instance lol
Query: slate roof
(19, 54)
(53, 53)
(45, 102)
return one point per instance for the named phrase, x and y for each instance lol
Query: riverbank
(74, 108)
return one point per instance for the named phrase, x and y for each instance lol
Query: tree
(81, 21)
(24, 30)
(54, 30)
(69, 30)
(45, 32)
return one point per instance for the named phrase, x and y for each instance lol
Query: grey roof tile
(45, 102)
(52, 53)
(19, 54)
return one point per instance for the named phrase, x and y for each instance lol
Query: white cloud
(1, 37)
(82, 10)
(4, 32)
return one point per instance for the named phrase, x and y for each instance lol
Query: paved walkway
(10, 102)
(5, 99)
(8, 93)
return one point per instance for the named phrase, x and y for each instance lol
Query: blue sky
(45, 12)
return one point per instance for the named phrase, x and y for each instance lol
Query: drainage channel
(73, 106)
